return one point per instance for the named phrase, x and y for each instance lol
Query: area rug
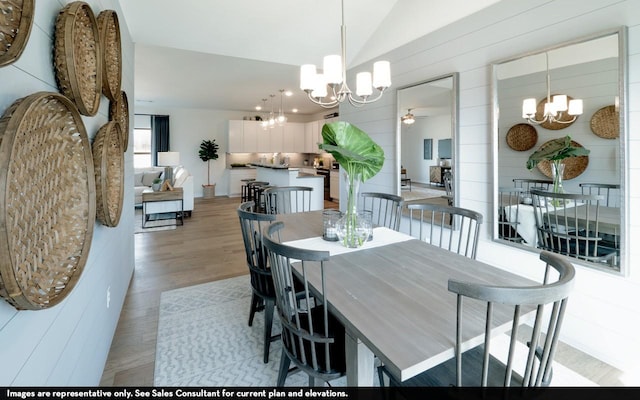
(418, 193)
(152, 226)
(204, 340)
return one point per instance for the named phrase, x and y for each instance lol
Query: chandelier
(281, 119)
(408, 118)
(554, 109)
(334, 74)
(269, 122)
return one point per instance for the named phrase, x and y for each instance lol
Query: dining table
(392, 296)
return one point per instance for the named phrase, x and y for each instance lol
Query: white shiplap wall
(67, 345)
(603, 317)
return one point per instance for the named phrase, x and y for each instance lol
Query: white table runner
(381, 237)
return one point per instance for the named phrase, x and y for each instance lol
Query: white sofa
(143, 178)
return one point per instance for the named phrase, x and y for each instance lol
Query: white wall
(68, 344)
(412, 142)
(603, 317)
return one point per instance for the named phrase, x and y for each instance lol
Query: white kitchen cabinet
(250, 136)
(235, 179)
(334, 184)
(276, 141)
(294, 138)
(264, 140)
(311, 137)
(235, 136)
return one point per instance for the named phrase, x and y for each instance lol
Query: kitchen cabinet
(250, 136)
(294, 138)
(311, 137)
(235, 136)
(276, 139)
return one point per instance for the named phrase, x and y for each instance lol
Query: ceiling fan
(409, 118)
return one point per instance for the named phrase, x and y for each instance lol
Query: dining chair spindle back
(287, 199)
(386, 208)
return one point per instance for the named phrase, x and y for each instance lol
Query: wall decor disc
(47, 200)
(77, 57)
(522, 137)
(110, 46)
(554, 126)
(119, 112)
(573, 166)
(606, 123)
(16, 19)
(108, 165)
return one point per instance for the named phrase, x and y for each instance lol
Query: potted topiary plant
(208, 151)
(156, 185)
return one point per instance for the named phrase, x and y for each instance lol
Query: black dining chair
(453, 228)
(287, 199)
(263, 296)
(312, 338)
(386, 208)
(526, 363)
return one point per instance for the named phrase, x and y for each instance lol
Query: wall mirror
(426, 137)
(590, 69)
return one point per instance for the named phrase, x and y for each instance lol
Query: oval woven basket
(47, 204)
(108, 164)
(606, 123)
(111, 49)
(16, 19)
(77, 58)
(554, 126)
(573, 166)
(522, 137)
(119, 112)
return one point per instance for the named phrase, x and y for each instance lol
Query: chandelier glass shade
(334, 78)
(554, 107)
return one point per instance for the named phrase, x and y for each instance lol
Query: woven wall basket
(108, 164)
(77, 57)
(522, 137)
(554, 126)
(16, 18)
(606, 123)
(110, 45)
(47, 200)
(573, 166)
(119, 112)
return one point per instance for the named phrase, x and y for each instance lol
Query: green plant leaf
(556, 149)
(353, 149)
(208, 150)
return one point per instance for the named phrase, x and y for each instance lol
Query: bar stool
(245, 189)
(255, 193)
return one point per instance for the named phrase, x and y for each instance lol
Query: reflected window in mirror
(592, 70)
(427, 130)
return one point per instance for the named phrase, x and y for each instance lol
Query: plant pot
(209, 191)
(156, 187)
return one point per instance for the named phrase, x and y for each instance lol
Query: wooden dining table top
(395, 299)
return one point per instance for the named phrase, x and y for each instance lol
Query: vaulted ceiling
(229, 55)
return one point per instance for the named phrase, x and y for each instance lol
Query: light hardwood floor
(209, 247)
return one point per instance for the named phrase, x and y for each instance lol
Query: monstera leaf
(353, 149)
(556, 150)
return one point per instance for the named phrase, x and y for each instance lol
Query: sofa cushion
(180, 176)
(149, 176)
(137, 179)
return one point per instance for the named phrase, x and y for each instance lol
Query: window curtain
(159, 136)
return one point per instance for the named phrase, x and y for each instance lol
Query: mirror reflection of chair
(287, 199)
(480, 366)
(263, 296)
(509, 212)
(453, 228)
(313, 339)
(529, 184)
(447, 178)
(569, 224)
(386, 208)
(604, 189)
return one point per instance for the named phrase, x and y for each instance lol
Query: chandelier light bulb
(332, 69)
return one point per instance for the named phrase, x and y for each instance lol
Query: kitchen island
(279, 175)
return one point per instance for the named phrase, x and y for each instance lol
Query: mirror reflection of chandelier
(408, 118)
(334, 74)
(554, 109)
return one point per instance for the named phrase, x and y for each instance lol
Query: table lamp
(168, 160)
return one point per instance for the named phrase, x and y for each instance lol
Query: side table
(163, 202)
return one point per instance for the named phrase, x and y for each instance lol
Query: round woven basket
(110, 45)
(119, 112)
(47, 205)
(522, 137)
(108, 164)
(553, 125)
(77, 57)
(606, 123)
(16, 18)
(573, 166)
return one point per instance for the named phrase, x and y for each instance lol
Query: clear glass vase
(557, 171)
(353, 230)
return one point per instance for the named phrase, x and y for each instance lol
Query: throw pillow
(149, 176)
(137, 179)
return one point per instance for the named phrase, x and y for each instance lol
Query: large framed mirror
(426, 139)
(593, 70)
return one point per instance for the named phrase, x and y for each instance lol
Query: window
(142, 142)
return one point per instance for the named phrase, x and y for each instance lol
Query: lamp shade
(168, 158)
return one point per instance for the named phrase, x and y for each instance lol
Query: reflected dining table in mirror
(392, 297)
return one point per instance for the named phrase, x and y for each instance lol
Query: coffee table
(162, 202)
